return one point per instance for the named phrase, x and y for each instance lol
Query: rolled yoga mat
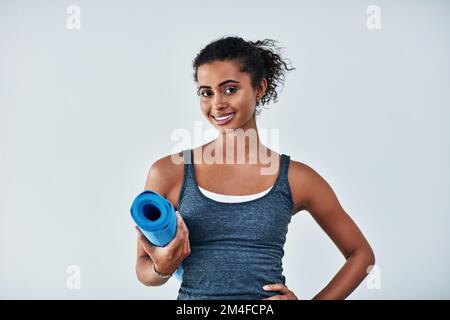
(155, 216)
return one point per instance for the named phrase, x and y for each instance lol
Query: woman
(232, 215)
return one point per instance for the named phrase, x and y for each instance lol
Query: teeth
(224, 118)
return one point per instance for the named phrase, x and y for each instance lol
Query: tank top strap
(284, 167)
(188, 164)
(282, 183)
(187, 156)
(188, 177)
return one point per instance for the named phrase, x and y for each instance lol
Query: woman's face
(227, 97)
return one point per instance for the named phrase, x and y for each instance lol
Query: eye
(203, 93)
(233, 89)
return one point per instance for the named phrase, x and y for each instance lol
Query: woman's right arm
(161, 179)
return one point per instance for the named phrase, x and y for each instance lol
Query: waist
(218, 277)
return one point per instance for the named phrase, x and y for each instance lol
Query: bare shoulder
(306, 185)
(165, 176)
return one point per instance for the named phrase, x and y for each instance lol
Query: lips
(223, 118)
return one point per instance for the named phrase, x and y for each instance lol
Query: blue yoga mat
(155, 216)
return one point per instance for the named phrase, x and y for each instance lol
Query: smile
(223, 119)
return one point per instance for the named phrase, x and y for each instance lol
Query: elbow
(146, 283)
(145, 278)
(371, 257)
(141, 278)
(138, 275)
(368, 257)
(365, 255)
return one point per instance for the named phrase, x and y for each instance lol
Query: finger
(183, 225)
(180, 252)
(189, 245)
(277, 287)
(139, 232)
(186, 247)
(182, 228)
(177, 229)
(179, 235)
(148, 247)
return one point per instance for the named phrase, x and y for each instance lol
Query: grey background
(84, 113)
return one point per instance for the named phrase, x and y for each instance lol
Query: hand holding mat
(156, 218)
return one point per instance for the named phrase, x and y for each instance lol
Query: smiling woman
(234, 217)
(260, 61)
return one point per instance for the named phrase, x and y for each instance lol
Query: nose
(219, 102)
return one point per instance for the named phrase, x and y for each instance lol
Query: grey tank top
(236, 248)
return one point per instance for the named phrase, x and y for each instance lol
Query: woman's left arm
(321, 202)
(312, 193)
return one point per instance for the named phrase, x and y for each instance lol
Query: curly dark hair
(261, 59)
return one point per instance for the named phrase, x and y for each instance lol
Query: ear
(262, 88)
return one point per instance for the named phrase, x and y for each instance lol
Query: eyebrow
(220, 84)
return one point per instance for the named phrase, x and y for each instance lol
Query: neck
(241, 146)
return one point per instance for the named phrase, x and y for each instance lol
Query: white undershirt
(232, 198)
